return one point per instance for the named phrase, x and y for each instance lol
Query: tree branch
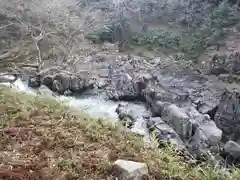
(37, 40)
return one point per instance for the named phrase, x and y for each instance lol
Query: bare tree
(49, 31)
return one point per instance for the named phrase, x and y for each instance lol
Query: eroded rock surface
(196, 130)
(128, 87)
(206, 137)
(62, 82)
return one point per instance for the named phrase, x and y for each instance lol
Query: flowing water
(94, 104)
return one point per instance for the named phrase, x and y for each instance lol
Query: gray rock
(67, 93)
(57, 86)
(197, 130)
(34, 82)
(135, 114)
(155, 96)
(129, 170)
(212, 133)
(207, 135)
(164, 132)
(125, 115)
(126, 87)
(178, 119)
(227, 116)
(226, 63)
(184, 120)
(64, 82)
(75, 82)
(48, 81)
(232, 148)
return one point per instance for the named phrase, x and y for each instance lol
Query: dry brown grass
(42, 139)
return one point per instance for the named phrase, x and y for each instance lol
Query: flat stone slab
(129, 170)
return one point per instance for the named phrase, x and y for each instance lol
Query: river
(94, 103)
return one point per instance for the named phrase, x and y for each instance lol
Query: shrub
(158, 38)
(211, 32)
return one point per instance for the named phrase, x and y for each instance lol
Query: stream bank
(178, 105)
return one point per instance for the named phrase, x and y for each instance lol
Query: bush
(211, 32)
(158, 38)
(208, 32)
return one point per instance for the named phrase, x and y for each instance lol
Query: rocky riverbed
(196, 113)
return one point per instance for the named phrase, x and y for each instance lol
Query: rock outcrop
(128, 87)
(196, 130)
(125, 115)
(227, 116)
(63, 81)
(163, 132)
(231, 153)
(130, 116)
(207, 137)
(232, 148)
(225, 63)
(182, 98)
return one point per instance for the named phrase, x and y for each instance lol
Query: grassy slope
(42, 139)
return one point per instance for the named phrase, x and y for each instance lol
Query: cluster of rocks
(67, 82)
(185, 128)
(62, 82)
(128, 87)
(188, 129)
(225, 63)
(189, 111)
(182, 119)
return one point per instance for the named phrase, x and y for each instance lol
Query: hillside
(42, 139)
(167, 70)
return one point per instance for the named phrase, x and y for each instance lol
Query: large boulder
(61, 82)
(178, 119)
(232, 148)
(34, 82)
(184, 120)
(231, 153)
(66, 82)
(227, 116)
(206, 136)
(163, 132)
(196, 130)
(161, 94)
(133, 116)
(130, 170)
(127, 87)
(125, 115)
